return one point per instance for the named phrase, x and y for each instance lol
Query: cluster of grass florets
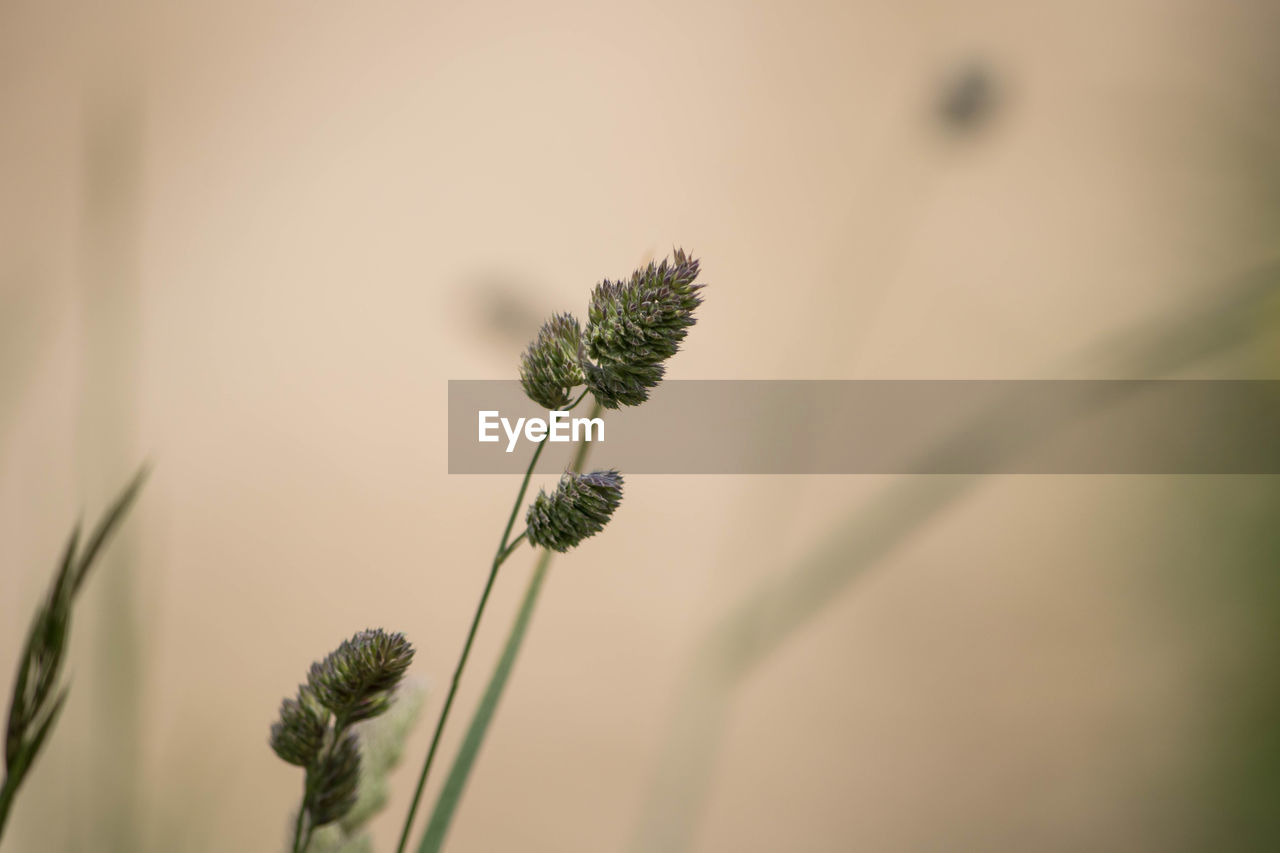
(633, 327)
(549, 368)
(579, 508)
(356, 682)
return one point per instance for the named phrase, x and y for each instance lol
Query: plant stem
(506, 547)
(580, 457)
(301, 839)
(514, 544)
(6, 800)
(504, 551)
(455, 783)
(302, 814)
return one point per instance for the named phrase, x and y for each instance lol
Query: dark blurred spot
(498, 305)
(969, 99)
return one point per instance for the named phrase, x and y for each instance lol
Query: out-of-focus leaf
(770, 614)
(382, 742)
(460, 771)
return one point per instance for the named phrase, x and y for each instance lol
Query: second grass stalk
(505, 548)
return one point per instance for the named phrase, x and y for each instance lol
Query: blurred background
(252, 241)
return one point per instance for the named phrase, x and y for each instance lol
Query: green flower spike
(337, 781)
(298, 736)
(355, 681)
(549, 368)
(579, 508)
(634, 326)
(317, 730)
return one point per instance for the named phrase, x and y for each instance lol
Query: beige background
(252, 241)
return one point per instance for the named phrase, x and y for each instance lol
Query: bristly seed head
(549, 368)
(315, 731)
(579, 508)
(298, 735)
(355, 681)
(336, 782)
(634, 326)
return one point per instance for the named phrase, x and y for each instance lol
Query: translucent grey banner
(884, 427)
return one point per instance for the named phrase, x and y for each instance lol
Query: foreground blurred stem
(6, 800)
(451, 794)
(303, 829)
(506, 547)
(37, 700)
(777, 607)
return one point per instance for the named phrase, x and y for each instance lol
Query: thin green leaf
(770, 614)
(31, 749)
(109, 523)
(42, 732)
(451, 794)
(45, 650)
(19, 705)
(68, 557)
(382, 742)
(22, 707)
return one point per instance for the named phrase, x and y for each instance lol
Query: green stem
(451, 794)
(455, 783)
(584, 447)
(302, 814)
(515, 543)
(301, 838)
(505, 549)
(502, 553)
(6, 800)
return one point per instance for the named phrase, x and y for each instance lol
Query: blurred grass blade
(69, 554)
(775, 609)
(454, 786)
(447, 804)
(32, 715)
(382, 743)
(442, 816)
(42, 731)
(21, 701)
(110, 521)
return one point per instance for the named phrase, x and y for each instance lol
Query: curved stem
(455, 783)
(6, 800)
(515, 508)
(301, 838)
(504, 551)
(302, 814)
(515, 543)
